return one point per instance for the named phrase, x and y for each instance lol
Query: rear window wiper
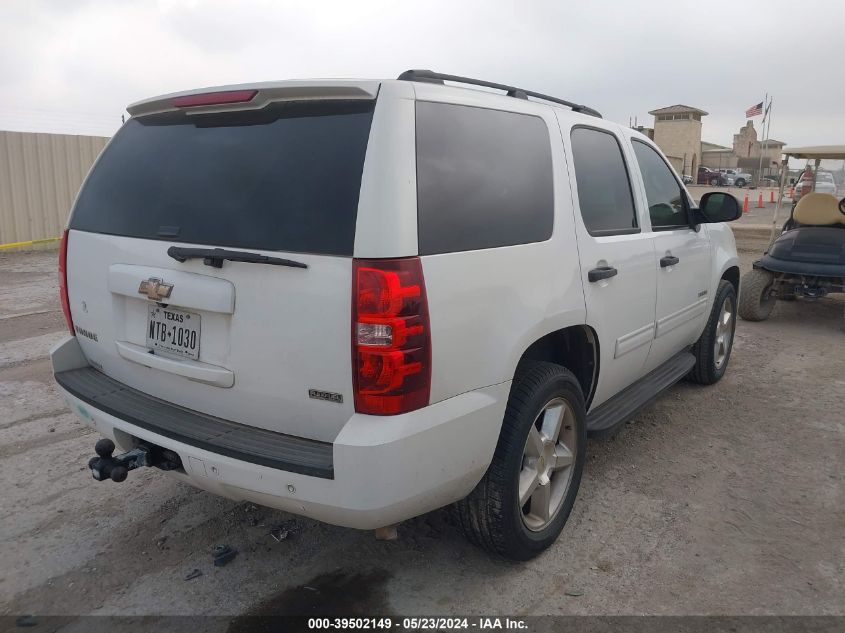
(216, 256)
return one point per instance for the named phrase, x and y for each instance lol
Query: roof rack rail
(429, 76)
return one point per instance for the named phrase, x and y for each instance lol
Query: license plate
(174, 332)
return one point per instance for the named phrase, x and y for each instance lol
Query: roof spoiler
(253, 96)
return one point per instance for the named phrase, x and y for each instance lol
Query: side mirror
(716, 206)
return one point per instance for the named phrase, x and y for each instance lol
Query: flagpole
(763, 129)
(768, 129)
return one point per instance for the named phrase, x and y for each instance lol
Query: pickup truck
(739, 178)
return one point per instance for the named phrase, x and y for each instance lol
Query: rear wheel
(713, 349)
(714, 182)
(521, 505)
(756, 301)
(740, 183)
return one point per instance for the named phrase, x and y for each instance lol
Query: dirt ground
(720, 500)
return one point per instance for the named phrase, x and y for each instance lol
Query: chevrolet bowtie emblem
(155, 289)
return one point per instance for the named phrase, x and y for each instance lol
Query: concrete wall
(40, 175)
(682, 139)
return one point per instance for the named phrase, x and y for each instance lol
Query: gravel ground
(720, 500)
(755, 215)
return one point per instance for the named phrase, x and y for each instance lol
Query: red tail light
(214, 98)
(63, 281)
(391, 338)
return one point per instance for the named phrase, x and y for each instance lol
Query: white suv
(360, 301)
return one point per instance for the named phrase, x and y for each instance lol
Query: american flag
(755, 110)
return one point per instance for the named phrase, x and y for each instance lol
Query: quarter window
(484, 178)
(666, 198)
(604, 189)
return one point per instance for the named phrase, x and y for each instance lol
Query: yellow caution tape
(47, 240)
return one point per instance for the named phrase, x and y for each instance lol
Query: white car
(736, 177)
(825, 183)
(822, 183)
(360, 301)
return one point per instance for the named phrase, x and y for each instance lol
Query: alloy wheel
(548, 461)
(724, 333)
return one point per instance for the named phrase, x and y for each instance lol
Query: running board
(608, 416)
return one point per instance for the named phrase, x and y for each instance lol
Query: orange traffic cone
(745, 204)
(772, 195)
(760, 201)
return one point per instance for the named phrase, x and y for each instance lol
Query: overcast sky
(72, 66)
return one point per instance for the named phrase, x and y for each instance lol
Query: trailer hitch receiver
(116, 467)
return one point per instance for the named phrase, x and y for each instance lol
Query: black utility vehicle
(807, 259)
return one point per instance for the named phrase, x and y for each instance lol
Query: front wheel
(740, 183)
(712, 351)
(714, 182)
(756, 300)
(523, 501)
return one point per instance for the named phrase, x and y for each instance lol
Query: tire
(715, 182)
(491, 516)
(740, 183)
(755, 295)
(712, 350)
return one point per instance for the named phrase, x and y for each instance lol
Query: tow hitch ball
(117, 467)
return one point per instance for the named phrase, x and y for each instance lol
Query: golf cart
(807, 259)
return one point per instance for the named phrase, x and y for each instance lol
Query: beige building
(677, 131)
(40, 175)
(647, 131)
(717, 156)
(747, 151)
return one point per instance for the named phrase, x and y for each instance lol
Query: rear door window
(484, 178)
(286, 177)
(604, 189)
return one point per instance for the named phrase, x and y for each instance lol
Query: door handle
(669, 260)
(602, 272)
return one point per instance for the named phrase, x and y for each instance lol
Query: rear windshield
(286, 177)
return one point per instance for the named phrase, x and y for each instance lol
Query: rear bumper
(384, 469)
(239, 441)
